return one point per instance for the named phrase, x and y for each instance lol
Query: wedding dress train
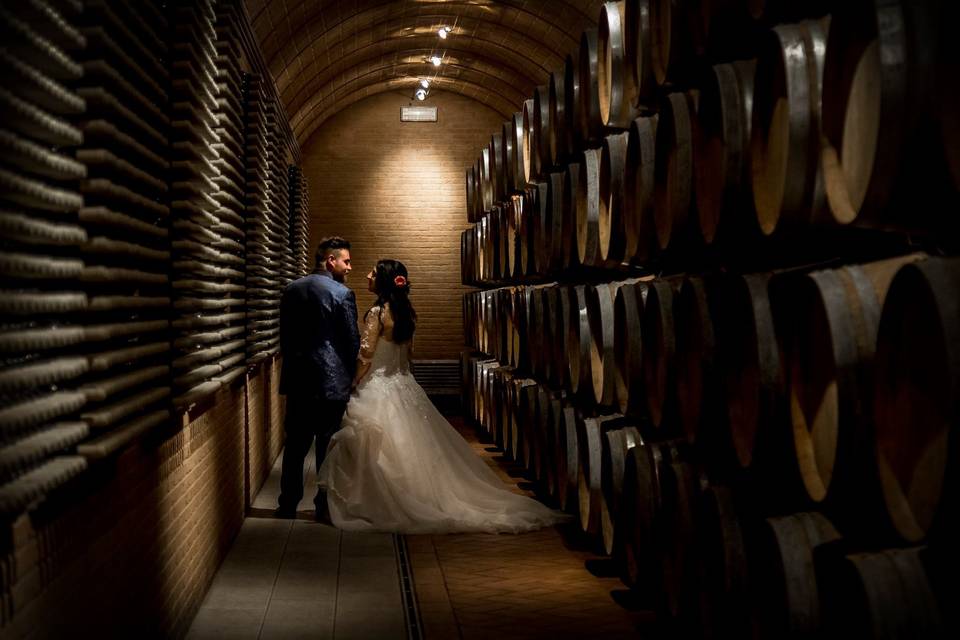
(397, 465)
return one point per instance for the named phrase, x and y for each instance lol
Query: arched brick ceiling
(327, 54)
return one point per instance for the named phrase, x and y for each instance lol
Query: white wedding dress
(397, 465)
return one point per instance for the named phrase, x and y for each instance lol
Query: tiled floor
(296, 578)
(300, 579)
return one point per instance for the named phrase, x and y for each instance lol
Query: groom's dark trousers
(319, 342)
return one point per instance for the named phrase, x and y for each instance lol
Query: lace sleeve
(372, 327)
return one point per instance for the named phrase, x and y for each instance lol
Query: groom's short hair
(328, 245)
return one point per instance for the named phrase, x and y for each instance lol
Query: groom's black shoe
(285, 514)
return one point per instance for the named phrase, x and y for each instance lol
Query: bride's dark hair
(393, 287)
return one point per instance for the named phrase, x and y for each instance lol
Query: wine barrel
(571, 187)
(615, 445)
(566, 457)
(498, 171)
(543, 446)
(721, 150)
(640, 504)
(573, 140)
(724, 573)
(486, 181)
(530, 233)
(588, 210)
(750, 358)
(589, 118)
(915, 401)
(465, 258)
(521, 296)
(521, 150)
(502, 399)
(673, 171)
(520, 403)
(555, 426)
(672, 45)
(525, 444)
(471, 187)
(660, 354)
(536, 336)
(879, 143)
(528, 168)
(639, 45)
(517, 229)
(511, 327)
(613, 186)
(616, 83)
(590, 433)
(829, 361)
(676, 536)
(544, 230)
(602, 358)
(883, 594)
(477, 191)
(787, 603)
(495, 237)
(698, 377)
(627, 339)
(638, 222)
(481, 230)
(577, 332)
(541, 131)
(507, 157)
(787, 182)
(559, 151)
(507, 235)
(556, 344)
(553, 233)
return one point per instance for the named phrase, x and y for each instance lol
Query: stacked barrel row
(123, 223)
(746, 399)
(646, 153)
(744, 437)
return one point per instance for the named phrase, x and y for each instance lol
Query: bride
(396, 464)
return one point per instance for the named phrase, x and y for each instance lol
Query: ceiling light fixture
(444, 31)
(421, 94)
(424, 83)
(436, 60)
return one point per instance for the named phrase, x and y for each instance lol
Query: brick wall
(396, 190)
(130, 549)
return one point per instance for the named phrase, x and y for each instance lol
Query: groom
(319, 342)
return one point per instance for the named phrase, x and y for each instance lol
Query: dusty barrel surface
(787, 181)
(916, 402)
(616, 82)
(588, 209)
(750, 357)
(520, 157)
(590, 434)
(486, 180)
(660, 354)
(577, 332)
(639, 222)
(723, 557)
(640, 508)
(722, 150)
(566, 458)
(498, 176)
(508, 134)
(589, 118)
(559, 152)
(541, 127)
(830, 358)
(602, 358)
(615, 445)
(628, 307)
(613, 196)
(572, 139)
(879, 139)
(787, 602)
(879, 594)
(639, 50)
(673, 171)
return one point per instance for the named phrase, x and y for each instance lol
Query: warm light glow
(421, 94)
(424, 83)
(443, 33)
(436, 60)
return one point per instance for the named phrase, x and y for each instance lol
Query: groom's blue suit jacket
(319, 338)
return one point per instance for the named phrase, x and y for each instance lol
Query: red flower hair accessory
(400, 281)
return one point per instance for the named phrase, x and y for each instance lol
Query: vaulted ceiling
(327, 54)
